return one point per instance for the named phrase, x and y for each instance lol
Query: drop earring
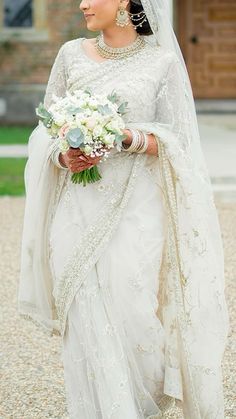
(122, 17)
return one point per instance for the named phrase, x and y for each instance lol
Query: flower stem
(86, 176)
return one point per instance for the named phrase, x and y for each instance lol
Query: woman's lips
(87, 16)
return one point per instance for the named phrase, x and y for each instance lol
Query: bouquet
(91, 122)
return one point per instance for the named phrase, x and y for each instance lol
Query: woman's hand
(128, 139)
(77, 161)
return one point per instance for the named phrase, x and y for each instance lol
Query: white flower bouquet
(91, 122)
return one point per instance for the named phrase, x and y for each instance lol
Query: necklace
(117, 53)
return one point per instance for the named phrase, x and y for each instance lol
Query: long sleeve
(57, 79)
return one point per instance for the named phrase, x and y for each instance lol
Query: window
(24, 20)
(18, 13)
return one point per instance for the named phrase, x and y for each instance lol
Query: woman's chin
(92, 27)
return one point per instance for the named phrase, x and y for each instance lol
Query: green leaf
(121, 137)
(123, 108)
(75, 137)
(104, 109)
(113, 97)
(73, 110)
(44, 116)
(88, 91)
(42, 111)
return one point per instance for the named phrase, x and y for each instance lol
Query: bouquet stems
(86, 176)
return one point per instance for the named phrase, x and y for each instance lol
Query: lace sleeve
(57, 79)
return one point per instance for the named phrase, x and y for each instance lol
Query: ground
(32, 384)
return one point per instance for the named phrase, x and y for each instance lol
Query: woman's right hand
(77, 161)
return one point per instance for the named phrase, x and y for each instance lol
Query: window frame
(39, 30)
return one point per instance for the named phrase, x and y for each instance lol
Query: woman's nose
(84, 5)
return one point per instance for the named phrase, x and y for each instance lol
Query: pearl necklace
(117, 53)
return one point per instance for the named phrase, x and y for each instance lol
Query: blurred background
(31, 32)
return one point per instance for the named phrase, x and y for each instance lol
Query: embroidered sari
(142, 245)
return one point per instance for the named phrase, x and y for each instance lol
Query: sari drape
(191, 297)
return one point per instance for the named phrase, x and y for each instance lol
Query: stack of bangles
(139, 143)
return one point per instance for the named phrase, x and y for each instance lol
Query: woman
(128, 270)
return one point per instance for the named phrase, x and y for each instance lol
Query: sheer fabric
(82, 224)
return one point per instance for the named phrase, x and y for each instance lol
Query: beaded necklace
(118, 53)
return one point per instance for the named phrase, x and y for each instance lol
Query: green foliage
(44, 115)
(14, 135)
(75, 137)
(12, 176)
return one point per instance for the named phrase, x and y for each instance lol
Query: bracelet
(144, 144)
(55, 158)
(139, 142)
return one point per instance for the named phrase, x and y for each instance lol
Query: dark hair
(145, 29)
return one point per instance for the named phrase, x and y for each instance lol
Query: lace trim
(165, 404)
(173, 259)
(29, 312)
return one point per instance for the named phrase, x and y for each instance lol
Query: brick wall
(30, 62)
(25, 65)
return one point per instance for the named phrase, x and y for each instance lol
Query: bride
(128, 270)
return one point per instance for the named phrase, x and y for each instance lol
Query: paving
(32, 381)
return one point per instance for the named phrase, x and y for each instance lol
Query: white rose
(121, 123)
(97, 131)
(93, 103)
(91, 122)
(78, 118)
(109, 139)
(87, 112)
(88, 139)
(59, 119)
(63, 146)
(88, 149)
(113, 125)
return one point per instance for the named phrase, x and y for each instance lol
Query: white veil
(192, 300)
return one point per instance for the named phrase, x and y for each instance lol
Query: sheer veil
(192, 300)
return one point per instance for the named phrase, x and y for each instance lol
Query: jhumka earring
(122, 17)
(125, 18)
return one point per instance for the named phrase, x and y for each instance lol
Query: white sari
(129, 270)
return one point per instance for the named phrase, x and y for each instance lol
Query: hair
(145, 29)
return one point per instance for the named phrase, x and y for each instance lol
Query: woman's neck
(119, 37)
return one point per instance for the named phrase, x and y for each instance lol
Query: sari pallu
(191, 294)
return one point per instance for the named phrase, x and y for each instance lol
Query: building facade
(31, 32)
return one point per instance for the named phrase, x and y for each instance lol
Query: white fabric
(83, 223)
(114, 346)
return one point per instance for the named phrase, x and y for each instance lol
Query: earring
(122, 17)
(138, 19)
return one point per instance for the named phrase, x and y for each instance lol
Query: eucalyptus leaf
(113, 97)
(104, 109)
(74, 110)
(75, 137)
(120, 138)
(88, 91)
(123, 108)
(42, 111)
